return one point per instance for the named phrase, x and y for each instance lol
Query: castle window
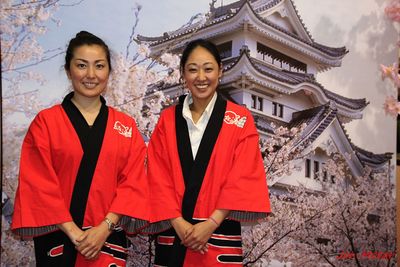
(253, 101)
(316, 169)
(257, 102)
(260, 104)
(277, 109)
(325, 176)
(279, 59)
(308, 168)
(225, 49)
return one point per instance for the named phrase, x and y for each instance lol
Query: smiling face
(201, 74)
(89, 70)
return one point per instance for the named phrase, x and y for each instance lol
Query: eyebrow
(84, 60)
(195, 64)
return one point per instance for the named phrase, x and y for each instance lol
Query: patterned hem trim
(246, 216)
(132, 225)
(157, 227)
(35, 231)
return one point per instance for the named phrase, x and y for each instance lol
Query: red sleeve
(163, 199)
(39, 202)
(245, 192)
(132, 194)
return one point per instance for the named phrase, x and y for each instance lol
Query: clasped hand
(195, 237)
(90, 242)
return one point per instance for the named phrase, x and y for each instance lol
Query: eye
(81, 65)
(192, 70)
(100, 66)
(209, 69)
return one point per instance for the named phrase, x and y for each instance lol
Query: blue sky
(359, 25)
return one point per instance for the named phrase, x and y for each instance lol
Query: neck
(86, 104)
(89, 107)
(199, 105)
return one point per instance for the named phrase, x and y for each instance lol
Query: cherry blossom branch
(36, 63)
(321, 253)
(351, 240)
(132, 35)
(311, 218)
(72, 4)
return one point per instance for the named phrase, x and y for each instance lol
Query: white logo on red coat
(232, 118)
(122, 129)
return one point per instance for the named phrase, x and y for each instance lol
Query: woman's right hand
(182, 228)
(72, 231)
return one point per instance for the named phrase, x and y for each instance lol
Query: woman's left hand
(92, 240)
(198, 237)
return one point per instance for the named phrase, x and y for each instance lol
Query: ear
(220, 70)
(68, 73)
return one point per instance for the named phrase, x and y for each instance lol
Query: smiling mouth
(201, 86)
(89, 85)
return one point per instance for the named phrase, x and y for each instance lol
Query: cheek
(104, 76)
(75, 78)
(215, 78)
(75, 75)
(187, 77)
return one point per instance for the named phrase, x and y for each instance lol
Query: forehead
(200, 56)
(90, 52)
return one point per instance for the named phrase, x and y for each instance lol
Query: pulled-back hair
(209, 46)
(84, 38)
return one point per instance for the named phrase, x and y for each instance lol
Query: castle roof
(220, 15)
(319, 118)
(294, 79)
(371, 159)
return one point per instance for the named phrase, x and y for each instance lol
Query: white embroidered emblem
(232, 118)
(124, 130)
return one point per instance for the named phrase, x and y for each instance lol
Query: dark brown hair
(209, 46)
(84, 38)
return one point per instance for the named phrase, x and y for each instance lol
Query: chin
(90, 94)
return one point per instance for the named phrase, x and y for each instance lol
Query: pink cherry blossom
(392, 106)
(171, 60)
(392, 10)
(143, 50)
(387, 71)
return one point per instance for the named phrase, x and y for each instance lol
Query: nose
(90, 72)
(201, 75)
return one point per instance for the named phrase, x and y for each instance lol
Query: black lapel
(194, 181)
(183, 140)
(91, 139)
(193, 172)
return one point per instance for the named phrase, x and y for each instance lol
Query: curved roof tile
(229, 11)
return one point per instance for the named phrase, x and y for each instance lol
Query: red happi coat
(50, 159)
(234, 179)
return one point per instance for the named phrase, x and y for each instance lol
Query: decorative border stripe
(230, 259)
(226, 237)
(56, 251)
(116, 247)
(225, 243)
(35, 231)
(246, 216)
(165, 240)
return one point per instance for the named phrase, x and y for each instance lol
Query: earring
(183, 86)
